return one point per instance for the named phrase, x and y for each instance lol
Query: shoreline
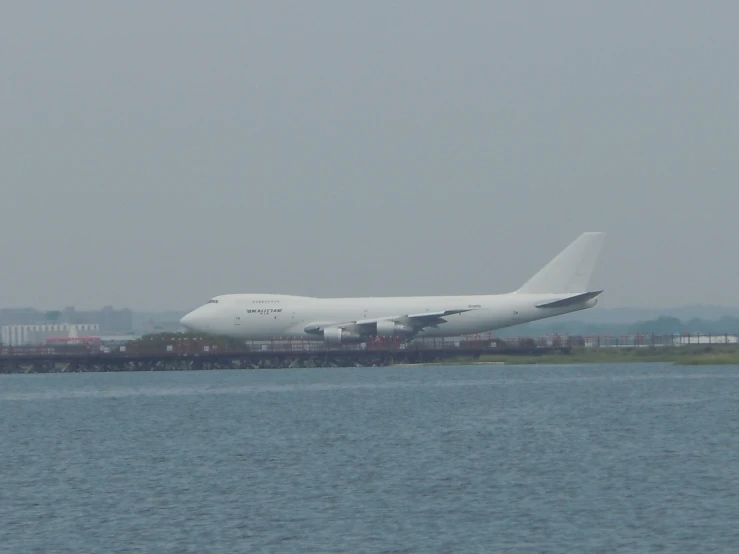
(683, 356)
(705, 355)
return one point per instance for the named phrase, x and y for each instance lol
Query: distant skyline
(157, 154)
(597, 315)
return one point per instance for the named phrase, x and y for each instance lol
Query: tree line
(664, 325)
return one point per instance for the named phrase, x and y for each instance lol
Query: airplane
(560, 287)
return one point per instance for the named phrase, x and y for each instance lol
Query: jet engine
(337, 335)
(388, 328)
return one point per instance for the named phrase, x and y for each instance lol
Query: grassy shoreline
(683, 355)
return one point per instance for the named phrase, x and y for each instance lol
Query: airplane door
(237, 321)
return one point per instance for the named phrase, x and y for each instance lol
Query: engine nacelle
(337, 335)
(388, 328)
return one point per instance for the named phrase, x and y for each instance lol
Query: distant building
(20, 316)
(680, 340)
(161, 327)
(115, 321)
(110, 320)
(26, 335)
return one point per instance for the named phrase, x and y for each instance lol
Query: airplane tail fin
(570, 270)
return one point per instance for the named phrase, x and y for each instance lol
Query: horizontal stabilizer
(576, 299)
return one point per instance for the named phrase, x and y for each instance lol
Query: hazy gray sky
(154, 154)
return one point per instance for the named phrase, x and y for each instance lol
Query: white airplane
(559, 288)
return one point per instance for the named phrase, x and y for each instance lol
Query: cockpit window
(214, 301)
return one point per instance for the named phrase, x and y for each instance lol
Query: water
(637, 458)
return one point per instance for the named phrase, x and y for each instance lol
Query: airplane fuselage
(269, 316)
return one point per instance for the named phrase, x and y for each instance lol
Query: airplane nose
(197, 321)
(188, 322)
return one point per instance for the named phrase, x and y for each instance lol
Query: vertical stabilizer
(570, 270)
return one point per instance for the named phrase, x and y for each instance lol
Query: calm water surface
(637, 458)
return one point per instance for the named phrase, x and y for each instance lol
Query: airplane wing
(409, 323)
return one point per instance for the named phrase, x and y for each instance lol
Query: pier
(180, 353)
(188, 355)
